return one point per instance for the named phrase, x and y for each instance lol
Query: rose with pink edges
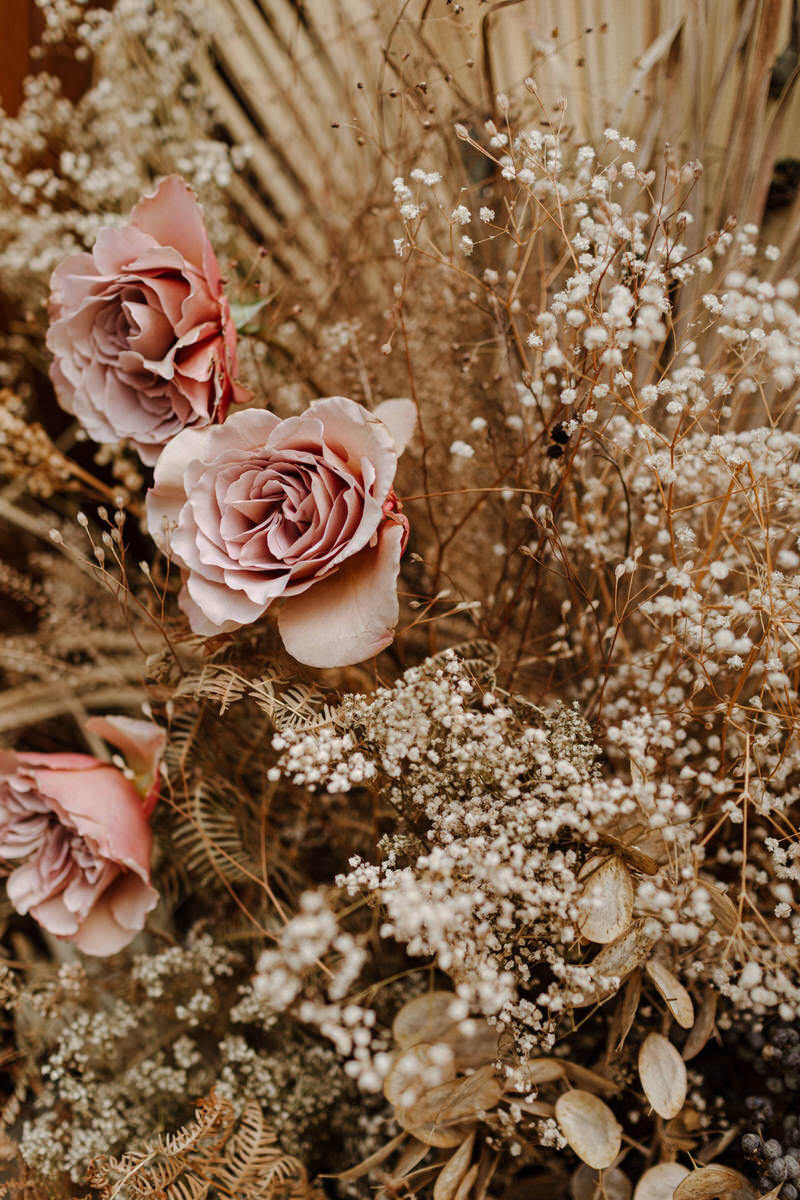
(141, 333)
(76, 832)
(300, 510)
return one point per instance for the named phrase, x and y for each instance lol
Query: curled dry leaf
(663, 1075)
(659, 1182)
(626, 1009)
(710, 1183)
(606, 906)
(673, 993)
(454, 1170)
(417, 1070)
(625, 954)
(703, 1026)
(590, 1127)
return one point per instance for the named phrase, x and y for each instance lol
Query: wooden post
(20, 29)
(15, 42)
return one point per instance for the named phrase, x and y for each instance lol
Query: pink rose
(141, 333)
(81, 831)
(303, 509)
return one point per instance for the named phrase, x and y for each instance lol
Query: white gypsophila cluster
(670, 366)
(311, 944)
(504, 805)
(143, 117)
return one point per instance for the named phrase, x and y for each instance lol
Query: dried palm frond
(327, 94)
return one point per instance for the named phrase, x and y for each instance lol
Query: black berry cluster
(772, 1142)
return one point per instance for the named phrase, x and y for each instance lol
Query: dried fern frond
(241, 1160)
(209, 834)
(300, 706)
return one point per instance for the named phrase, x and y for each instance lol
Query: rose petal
(214, 608)
(165, 499)
(172, 216)
(352, 614)
(360, 435)
(140, 742)
(83, 800)
(103, 931)
(400, 418)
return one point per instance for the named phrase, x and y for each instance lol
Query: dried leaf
(611, 1185)
(709, 1183)
(660, 1181)
(663, 1075)
(590, 1081)
(537, 1107)
(703, 1026)
(634, 857)
(606, 905)
(722, 906)
(454, 1170)
(424, 1019)
(465, 1187)
(412, 1156)
(536, 1071)
(627, 1009)
(443, 1137)
(416, 1071)
(590, 1127)
(621, 957)
(673, 993)
(373, 1160)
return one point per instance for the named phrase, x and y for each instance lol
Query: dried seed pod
(590, 1127)
(622, 956)
(458, 1100)
(416, 1071)
(424, 1019)
(663, 1075)
(611, 1185)
(443, 1137)
(710, 1183)
(659, 1182)
(606, 906)
(673, 993)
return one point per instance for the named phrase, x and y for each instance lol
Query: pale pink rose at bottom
(79, 831)
(298, 511)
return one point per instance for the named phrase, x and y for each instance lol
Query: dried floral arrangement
(400, 585)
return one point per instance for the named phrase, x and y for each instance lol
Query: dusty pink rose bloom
(79, 831)
(141, 333)
(259, 509)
